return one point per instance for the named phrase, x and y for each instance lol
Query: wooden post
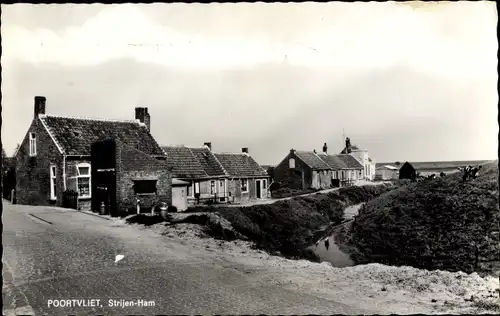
(12, 196)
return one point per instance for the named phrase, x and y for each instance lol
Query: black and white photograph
(301, 158)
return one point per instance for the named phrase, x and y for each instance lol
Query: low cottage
(311, 170)
(303, 170)
(353, 170)
(55, 154)
(199, 169)
(247, 180)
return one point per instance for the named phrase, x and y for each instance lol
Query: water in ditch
(333, 254)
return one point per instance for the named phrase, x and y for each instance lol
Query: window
(244, 185)
(291, 162)
(83, 180)
(143, 187)
(32, 144)
(212, 187)
(196, 187)
(190, 190)
(264, 183)
(53, 192)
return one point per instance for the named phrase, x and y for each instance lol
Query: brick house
(220, 178)
(199, 168)
(312, 170)
(247, 180)
(124, 177)
(303, 170)
(55, 154)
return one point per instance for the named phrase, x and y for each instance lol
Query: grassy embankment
(289, 227)
(435, 224)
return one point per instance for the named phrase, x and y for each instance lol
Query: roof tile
(76, 135)
(240, 165)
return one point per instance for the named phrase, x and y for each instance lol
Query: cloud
(340, 35)
(406, 82)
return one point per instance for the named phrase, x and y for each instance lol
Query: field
(435, 224)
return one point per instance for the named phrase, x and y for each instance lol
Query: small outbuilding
(386, 172)
(407, 171)
(179, 194)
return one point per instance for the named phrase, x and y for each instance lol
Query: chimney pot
(208, 144)
(325, 148)
(244, 150)
(39, 107)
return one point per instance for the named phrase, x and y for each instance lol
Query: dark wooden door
(105, 192)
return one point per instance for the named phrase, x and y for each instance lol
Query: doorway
(258, 185)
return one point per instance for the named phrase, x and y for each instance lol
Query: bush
(434, 224)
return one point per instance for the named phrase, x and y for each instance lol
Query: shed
(179, 194)
(407, 171)
(386, 172)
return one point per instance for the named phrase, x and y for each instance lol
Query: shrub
(434, 224)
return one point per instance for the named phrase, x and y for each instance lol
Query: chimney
(209, 145)
(142, 115)
(325, 148)
(39, 105)
(244, 150)
(348, 145)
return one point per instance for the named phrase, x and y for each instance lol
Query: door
(258, 185)
(179, 198)
(222, 190)
(104, 185)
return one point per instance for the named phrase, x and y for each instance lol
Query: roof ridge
(91, 119)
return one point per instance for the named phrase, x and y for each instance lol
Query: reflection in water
(328, 250)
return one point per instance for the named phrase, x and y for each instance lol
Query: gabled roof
(208, 161)
(183, 162)
(240, 165)
(350, 161)
(74, 136)
(333, 161)
(312, 159)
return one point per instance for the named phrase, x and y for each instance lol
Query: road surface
(54, 254)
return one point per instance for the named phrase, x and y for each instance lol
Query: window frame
(85, 176)
(246, 185)
(291, 161)
(32, 144)
(146, 193)
(53, 182)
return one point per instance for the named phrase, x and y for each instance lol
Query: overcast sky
(413, 82)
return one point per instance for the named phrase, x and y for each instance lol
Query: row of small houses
(119, 165)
